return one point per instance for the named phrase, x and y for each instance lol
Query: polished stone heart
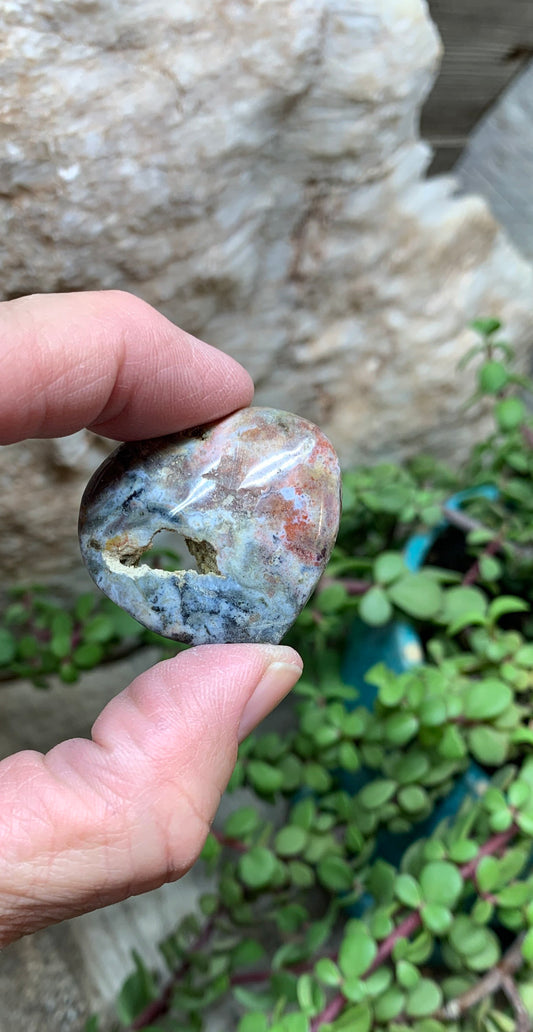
(256, 497)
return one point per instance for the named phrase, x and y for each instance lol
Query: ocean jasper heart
(257, 498)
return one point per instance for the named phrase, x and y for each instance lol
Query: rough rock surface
(254, 170)
(498, 161)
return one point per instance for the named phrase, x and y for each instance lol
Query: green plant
(41, 636)
(307, 927)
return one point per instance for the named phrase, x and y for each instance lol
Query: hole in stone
(172, 551)
(204, 554)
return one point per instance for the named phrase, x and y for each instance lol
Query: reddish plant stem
(491, 847)
(353, 585)
(407, 927)
(356, 587)
(402, 931)
(120, 651)
(230, 843)
(411, 923)
(527, 434)
(330, 1012)
(161, 1006)
(472, 575)
(157, 1009)
(249, 977)
(467, 523)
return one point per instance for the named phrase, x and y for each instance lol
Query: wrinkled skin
(94, 821)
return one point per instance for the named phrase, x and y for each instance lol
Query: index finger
(108, 361)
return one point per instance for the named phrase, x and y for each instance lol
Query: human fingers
(92, 822)
(109, 361)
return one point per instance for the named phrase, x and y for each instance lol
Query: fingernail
(277, 680)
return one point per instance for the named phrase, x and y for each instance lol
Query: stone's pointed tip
(257, 498)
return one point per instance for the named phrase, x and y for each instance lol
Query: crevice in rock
(204, 554)
(179, 553)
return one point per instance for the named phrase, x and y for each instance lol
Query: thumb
(95, 821)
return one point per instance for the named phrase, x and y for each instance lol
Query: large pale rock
(498, 161)
(253, 170)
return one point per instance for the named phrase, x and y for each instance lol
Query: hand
(92, 822)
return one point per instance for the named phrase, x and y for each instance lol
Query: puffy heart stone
(256, 497)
